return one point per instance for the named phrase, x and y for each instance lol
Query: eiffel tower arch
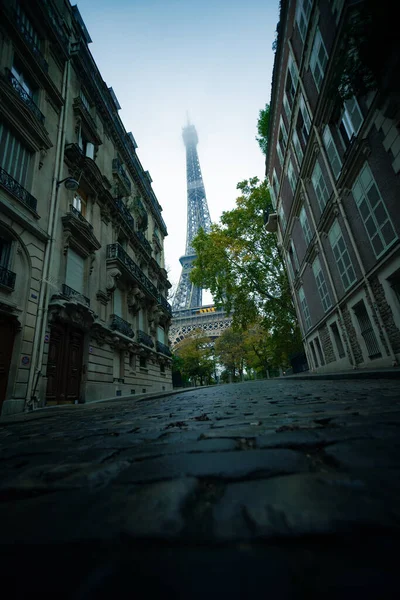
(187, 311)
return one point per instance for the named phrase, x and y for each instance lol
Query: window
(342, 256)
(143, 362)
(320, 187)
(161, 335)
(303, 16)
(141, 320)
(85, 101)
(79, 203)
(5, 252)
(275, 188)
(75, 276)
(352, 119)
(319, 350)
(318, 60)
(283, 135)
(394, 281)
(305, 225)
(304, 308)
(290, 266)
(132, 361)
(118, 302)
(286, 106)
(297, 148)
(27, 25)
(367, 330)
(292, 78)
(14, 157)
(23, 81)
(314, 355)
(85, 144)
(292, 177)
(338, 340)
(321, 284)
(162, 368)
(333, 156)
(273, 196)
(282, 217)
(279, 152)
(303, 121)
(293, 256)
(373, 211)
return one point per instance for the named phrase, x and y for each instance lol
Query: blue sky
(212, 58)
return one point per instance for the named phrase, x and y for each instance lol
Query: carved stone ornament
(66, 241)
(112, 279)
(71, 311)
(43, 154)
(136, 299)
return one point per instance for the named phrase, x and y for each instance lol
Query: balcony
(145, 243)
(145, 339)
(25, 97)
(13, 187)
(118, 324)
(7, 278)
(122, 177)
(116, 252)
(126, 215)
(163, 349)
(70, 293)
(30, 42)
(165, 304)
(77, 213)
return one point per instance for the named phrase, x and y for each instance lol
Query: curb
(358, 374)
(47, 411)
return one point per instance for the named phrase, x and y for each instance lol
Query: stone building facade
(83, 287)
(333, 164)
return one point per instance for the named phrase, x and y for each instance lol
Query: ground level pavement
(285, 488)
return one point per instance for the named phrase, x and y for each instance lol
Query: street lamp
(70, 183)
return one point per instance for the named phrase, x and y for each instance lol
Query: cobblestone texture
(273, 462)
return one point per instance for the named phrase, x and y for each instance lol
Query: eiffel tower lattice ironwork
(187, 294)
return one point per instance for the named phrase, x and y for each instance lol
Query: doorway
(64, 365)
(7, 337)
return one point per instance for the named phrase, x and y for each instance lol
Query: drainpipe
(355, 248)
(38, 342)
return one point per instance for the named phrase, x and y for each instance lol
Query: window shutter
(117, 302)
(160, 335)
(75, 277)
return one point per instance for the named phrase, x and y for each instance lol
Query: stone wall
(327, 345)
(386, 313)
(352, 335)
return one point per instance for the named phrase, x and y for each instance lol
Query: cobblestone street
(290, 486)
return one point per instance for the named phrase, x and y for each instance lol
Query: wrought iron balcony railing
(77, 213)
(7, 278)
(31, 42)
(126, 215)
(116, 251)
(57, 25)
(16, 189)
(25, 97)
(165, 304)
(119, 324)
(160, 347)
(118, 168)
(145, 243)
(71, 293)
(144, 338)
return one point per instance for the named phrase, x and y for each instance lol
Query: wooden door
(64, 365)
(7, 336)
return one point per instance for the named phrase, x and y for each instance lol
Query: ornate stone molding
(112, 279)
(71, 311)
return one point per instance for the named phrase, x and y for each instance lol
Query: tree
(230, 351)
(263, 128)
(195, 356)
(241, 265)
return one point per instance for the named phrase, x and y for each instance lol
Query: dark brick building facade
(333, 164)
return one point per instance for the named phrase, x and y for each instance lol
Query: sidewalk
(388, 373)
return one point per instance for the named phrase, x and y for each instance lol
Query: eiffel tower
(187, 310)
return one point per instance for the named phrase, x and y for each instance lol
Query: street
(291, 482)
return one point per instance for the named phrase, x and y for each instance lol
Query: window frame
(304, 308)
(315, 61)
(322, 286)
(305, 226)
(292, 177)
(319, 193)
(332, 153)
(371, 216)
(303, 12)
(344, 273)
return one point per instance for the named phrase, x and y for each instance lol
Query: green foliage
(240, 263)
(262, 129)
(195, 356)
(230, 351)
